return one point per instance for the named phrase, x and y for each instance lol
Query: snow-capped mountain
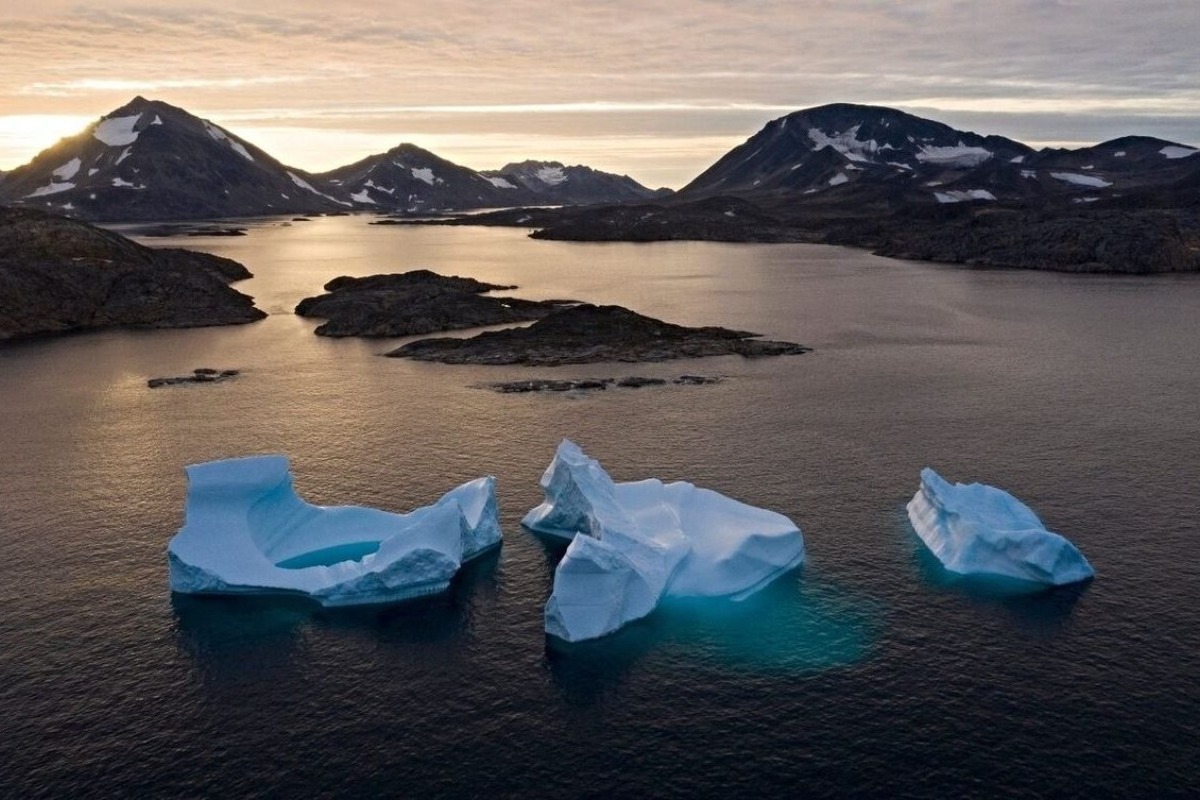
(837, 146)
(846, 153)
(152, 161)
(551, 183)
(410, 179)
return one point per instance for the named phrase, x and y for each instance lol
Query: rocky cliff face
(59, 275)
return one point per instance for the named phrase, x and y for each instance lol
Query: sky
(656, 89)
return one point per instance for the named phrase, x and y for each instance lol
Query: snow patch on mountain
(124, 155)
(551, 176)
(961, 196)
(500, 183)
(847, 143)
(51, 188)
(68, 170)
(157, 120)
(1171, 151)
(425, 175)
(306, 186)
(1081, 180)
(839, 179)
(221, 136)
(117, 131)
(959, 155)
(362, 197)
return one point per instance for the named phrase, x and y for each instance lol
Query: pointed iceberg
(634, 543)
(975, 529)
(246, 531)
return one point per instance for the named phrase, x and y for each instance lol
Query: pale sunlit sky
(657, 89)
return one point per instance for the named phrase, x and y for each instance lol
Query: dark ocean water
(868, 673)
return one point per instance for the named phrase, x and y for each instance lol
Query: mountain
(410, 179)
(148, 160)
(59, 275)
(846, 155)
(551, 183)
(844, 147)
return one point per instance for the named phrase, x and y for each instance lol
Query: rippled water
(867, 673)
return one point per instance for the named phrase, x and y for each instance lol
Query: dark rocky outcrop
(1139, 242)
(591, 384)
(59, 275)
(415, 303)
(586, 334)
(200, 375)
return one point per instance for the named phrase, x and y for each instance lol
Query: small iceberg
(246, 531)
(645, 540)
(975, 529)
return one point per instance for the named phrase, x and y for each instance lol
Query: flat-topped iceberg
(645, 540)
(246, 531)
(975, 529)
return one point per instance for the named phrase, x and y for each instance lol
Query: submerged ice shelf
(975, 529)
(246, 531)
(634, 543)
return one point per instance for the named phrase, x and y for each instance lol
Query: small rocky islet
(585, 334)
(563, 332)
(415, 303)
(199, 375)
(593, 384)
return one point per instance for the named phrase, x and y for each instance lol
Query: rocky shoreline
(59, 275)
(1063, 238)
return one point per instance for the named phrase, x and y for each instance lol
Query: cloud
(464, 68)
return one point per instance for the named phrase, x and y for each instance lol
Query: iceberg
(975, 529)
(632, 544)
(246, 531)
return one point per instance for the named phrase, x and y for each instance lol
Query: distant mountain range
(844, 174)
(148, 160)
(910, 187)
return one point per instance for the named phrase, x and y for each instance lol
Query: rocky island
(585, 334)
(59, 275)
(415, 303)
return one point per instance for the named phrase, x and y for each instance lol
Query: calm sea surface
(865, 674)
